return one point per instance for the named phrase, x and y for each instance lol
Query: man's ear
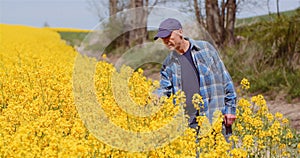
(180, 32)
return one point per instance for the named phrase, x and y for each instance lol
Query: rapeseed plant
(38, 116)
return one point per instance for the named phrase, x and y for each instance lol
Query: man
(195, 67)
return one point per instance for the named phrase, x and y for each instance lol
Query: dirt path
(289, 110)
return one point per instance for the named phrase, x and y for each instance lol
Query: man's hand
(229, 119)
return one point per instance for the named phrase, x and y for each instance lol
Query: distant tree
(139, 18)
(213, 20)
(277, 6)
(220, 19)
(230, 20)
(268, 5)
(46, 24)
(198, 12)
(139, 35)
(220, 16)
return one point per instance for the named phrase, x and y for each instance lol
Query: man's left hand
(229, 119)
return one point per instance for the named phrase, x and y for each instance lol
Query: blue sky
(77, 13)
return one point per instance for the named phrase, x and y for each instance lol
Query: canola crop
(38, 115)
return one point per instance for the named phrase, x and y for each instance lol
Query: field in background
(253, 20)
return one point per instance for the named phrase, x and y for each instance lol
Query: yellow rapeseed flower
(270, 117)
(278, 115)
(248, 141)
(289, 134)
(285, 121)
(245, 84)
(238, 153)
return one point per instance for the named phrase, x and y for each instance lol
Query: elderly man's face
(173, 41)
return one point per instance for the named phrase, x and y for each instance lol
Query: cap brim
(162, 34)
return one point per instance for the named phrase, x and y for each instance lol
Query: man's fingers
(229, 119)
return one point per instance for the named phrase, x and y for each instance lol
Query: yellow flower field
(58, 29)
(39, 117)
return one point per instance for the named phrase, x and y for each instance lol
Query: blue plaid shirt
(216, 86)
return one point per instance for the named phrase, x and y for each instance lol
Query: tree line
(216, 16)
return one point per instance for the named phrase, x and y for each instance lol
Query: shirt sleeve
(165, 88)
(230, 94)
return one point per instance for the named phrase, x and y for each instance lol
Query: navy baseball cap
(166, 27)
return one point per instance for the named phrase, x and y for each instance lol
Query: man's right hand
(229, 119)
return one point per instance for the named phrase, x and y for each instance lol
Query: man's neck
(184, 46)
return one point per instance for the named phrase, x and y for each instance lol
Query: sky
(78, 13)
